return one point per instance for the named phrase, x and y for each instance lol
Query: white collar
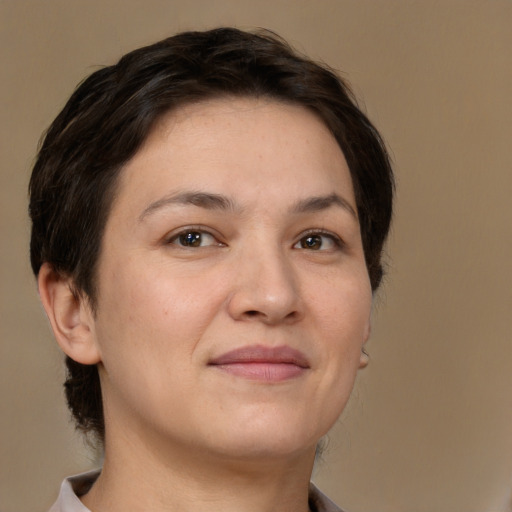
(78, 485)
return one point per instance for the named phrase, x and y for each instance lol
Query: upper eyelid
(172, 235)
(175, 233)
(192, 227)
(323, 232)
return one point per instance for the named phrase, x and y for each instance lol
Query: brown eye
(193, 239)
(319, 242)
(313, 242)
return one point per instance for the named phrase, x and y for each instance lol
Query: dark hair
(112, 112)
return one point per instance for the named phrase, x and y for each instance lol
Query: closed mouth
(259, 362)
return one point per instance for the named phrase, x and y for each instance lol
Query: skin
(270, 265)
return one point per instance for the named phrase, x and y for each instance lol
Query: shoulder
(71, 489)
(319, 502)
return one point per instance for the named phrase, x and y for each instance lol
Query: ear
(70, 316)
(364, 358)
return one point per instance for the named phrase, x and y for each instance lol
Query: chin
(271, 450)
(271, 442)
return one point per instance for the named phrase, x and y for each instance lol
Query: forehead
(235, 117)
(231, 144)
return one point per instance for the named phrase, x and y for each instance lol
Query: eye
(318, 241)
(194, 238)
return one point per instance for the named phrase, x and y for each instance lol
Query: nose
(266, 289)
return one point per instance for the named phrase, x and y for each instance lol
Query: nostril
(252, 313)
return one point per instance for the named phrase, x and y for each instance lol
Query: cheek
(342, 308)
(154, 310)
(342, 319)
(147, 331)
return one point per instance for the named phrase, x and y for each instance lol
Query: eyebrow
(319, 203)
(201, 199)
(220, 202)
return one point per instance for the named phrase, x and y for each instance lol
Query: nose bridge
(266, 284)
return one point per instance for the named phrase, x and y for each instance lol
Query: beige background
(429, 427)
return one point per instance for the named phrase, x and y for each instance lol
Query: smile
(266, 364)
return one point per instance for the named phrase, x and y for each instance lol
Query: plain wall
(429, 424)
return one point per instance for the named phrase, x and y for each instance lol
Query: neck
(140, 477)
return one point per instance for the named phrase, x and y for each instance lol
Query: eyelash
(200, 232)
(335, 239)
(193, 230)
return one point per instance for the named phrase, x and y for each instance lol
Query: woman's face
(233, 293)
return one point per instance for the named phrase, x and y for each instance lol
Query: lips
(267, 364)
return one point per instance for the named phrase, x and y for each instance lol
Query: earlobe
(364, 358)
(70, 316)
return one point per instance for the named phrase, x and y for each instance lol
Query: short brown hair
(112, 112)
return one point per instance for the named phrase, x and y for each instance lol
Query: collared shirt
(75, 486)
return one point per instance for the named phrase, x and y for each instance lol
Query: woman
(208, 222)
